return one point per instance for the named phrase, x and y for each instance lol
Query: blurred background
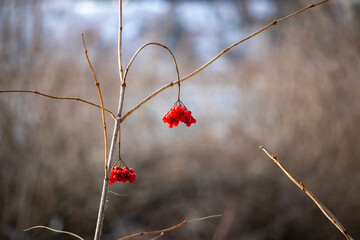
(295, 89)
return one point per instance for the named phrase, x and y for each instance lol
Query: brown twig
(160, 45)
(159, 236)
(301, 185)
(102, 107)
(54, 230)
(170, 228)
(275, 22)
(61, 98)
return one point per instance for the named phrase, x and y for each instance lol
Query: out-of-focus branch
(275, 22)
(170, 228)
(61, 98)
(102, 106)
(301, 185)
(54, 230)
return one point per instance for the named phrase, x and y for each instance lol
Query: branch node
(123, 83)
(274, 22)
(274, 157)
(312, 5)
(302, 186)
(171, 84)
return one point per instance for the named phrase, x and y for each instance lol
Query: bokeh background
(295, 89)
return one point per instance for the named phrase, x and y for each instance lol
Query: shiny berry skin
(178, 114)
(122, 175)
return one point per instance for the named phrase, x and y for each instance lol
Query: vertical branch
(102, 107)
(116, 134)
(120, 43)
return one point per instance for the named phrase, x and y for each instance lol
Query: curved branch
(160, 45)
(275, 22)
(61, 98)
(54, 230)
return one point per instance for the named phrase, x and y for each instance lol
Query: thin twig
(118, 194)
(102, 106)
(54, 230)
(159, 236)
(301, 185)
(160, 45)
(275, 22)
(170, 228)
(61, 98)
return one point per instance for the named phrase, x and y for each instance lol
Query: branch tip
(261, 147)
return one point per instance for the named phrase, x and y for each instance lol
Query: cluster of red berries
(178, 114)
(122, 175)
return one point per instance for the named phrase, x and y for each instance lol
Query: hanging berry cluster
(178, 113)
(122, 175)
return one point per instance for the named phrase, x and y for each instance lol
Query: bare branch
(54, 230)
(102, 107)
(160, 45)
(301, 185)
(115, 137)
(159, 236)
(120, 66)
(61, 98)
(170, 228)
(118, 194)
(275, 22)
